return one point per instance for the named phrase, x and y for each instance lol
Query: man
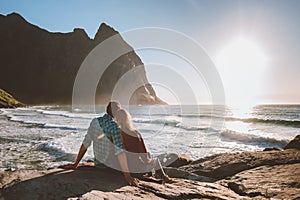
(107, 144)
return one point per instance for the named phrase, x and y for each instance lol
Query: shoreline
(246, 175)
(43, 136)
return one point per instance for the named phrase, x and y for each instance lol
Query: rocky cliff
(40, 67)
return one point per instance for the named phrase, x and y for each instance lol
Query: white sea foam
(253, 139)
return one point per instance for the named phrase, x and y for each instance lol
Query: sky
(254, 44)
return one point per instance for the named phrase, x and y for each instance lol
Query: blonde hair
(123, 119)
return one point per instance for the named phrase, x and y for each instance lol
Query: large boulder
(228, 164)
(270, 182)
(94, 183)
(294, 144)
(174, 160)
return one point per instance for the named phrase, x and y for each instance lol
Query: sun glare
(241, 64)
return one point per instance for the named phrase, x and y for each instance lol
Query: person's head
(123, 119)
(112, 108)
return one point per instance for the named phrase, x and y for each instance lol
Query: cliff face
(40, 67)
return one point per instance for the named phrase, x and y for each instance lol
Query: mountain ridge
(40, 67)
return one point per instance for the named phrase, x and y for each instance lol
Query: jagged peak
(16, 19)
(19, 18)
(104, 31)
(104, 26)
(15, 15)
(80, 31)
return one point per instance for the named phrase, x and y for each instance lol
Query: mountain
(40, 67)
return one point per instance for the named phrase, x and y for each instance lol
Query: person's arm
(124, 166)
(80, 155)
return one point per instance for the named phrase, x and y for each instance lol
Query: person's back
(138, 158)
(133, 142)
(104, 133)
(107, 144)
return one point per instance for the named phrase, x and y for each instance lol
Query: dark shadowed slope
(39, 67)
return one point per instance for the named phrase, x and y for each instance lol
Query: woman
(132, 140)
(137, 155)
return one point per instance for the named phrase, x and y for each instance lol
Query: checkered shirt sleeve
(93, 128)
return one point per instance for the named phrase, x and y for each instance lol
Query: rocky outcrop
(8, 101)
(270, 174)
(174, 160)
(294, 144)
(226, 165)
(270, 182)
(93, 183)
(40, 67)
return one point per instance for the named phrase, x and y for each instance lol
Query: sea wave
(56, 150)
(67, 114)
(63, 127)
(16, 118)
(168, 122)
(51, 148)
(44, 125)
(201, 116)
(174, 123)
(252, 139)
(283, 122)
(195, 128)
(186, 115)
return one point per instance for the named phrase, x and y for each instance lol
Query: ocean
(41, 137)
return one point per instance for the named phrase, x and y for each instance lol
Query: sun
(241, 64)
(242, 53)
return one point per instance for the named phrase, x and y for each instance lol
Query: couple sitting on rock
(117, 145)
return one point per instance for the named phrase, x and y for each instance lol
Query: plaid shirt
(106, 137)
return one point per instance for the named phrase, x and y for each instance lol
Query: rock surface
(277, 182)
(8, 101)
(225, 165)
(247, 175)
(41, 64)
(92, 183)
(294, 144)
